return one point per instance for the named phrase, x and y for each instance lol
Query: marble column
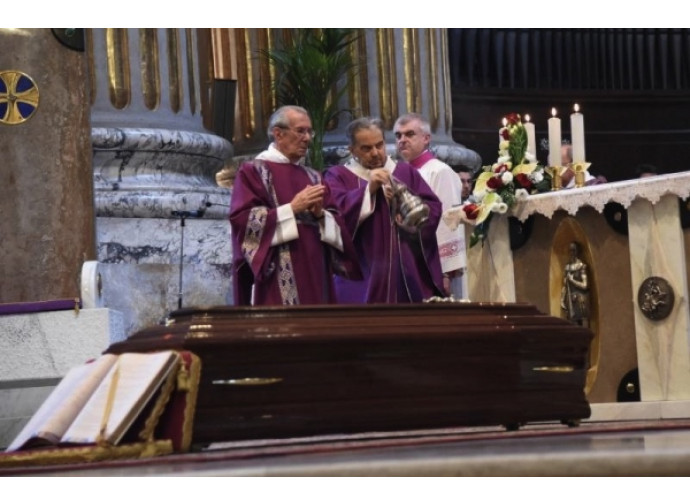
(399, 71)
(46, 195)
(406, 70)
(153, 160)
(491, 265)
(657, 250)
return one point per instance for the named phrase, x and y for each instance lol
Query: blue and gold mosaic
(18, 97)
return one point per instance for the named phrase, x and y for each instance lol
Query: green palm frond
(311, 71)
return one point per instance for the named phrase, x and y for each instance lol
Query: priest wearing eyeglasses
(287, 239)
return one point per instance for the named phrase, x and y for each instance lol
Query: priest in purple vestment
(287, 239)
(398, 265)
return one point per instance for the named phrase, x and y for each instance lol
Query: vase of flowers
(500, 186)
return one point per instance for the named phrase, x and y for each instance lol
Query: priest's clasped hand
(307, 198)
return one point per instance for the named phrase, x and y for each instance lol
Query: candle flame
(553, 112)
(576, 107)
(505, 121)
(526, 117)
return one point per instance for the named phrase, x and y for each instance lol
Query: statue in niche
(575, 290)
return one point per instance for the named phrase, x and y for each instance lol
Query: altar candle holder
(556, 173)
(580, 170)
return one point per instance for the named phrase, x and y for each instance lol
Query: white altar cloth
(651, 189)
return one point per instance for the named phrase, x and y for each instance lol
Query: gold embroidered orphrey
(655, 298)
(19, 97)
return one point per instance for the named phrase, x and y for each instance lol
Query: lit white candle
(504, 121)
(577, 131)
(531, 141)
(554, 139)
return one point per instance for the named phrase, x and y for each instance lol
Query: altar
(633, 239)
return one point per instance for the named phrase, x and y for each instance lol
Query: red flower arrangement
(500, 186)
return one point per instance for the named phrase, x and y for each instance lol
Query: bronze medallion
(655, 298)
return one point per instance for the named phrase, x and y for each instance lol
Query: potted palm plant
(311, 69)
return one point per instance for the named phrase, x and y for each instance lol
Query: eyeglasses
(300, 131)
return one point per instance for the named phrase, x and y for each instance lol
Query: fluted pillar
(398, 71)
(152, 157)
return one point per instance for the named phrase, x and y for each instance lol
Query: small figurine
(575, 291)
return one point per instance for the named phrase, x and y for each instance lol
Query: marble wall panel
(17, 406)
(47, 344)
(490, 266)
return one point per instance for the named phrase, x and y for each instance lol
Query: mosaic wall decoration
(18, 97)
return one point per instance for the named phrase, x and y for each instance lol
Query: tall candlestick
(554, 139)
(577, 130)
(531, 141)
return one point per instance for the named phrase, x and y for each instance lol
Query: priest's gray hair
(363, 123)
(405, 118)
(279, 118)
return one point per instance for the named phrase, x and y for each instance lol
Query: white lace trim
(597, 196)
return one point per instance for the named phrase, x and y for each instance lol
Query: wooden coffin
(271, 372)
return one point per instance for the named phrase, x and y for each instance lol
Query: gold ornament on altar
(556, 173)
(655, 298)
(580, 171)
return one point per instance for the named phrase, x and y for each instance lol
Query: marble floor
(612, 450)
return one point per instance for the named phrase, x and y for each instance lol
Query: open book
(98, 401)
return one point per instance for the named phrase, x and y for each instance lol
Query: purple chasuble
(299, 271)
(398, 266)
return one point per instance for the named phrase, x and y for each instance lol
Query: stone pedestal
(141, 265)
(152, 157)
